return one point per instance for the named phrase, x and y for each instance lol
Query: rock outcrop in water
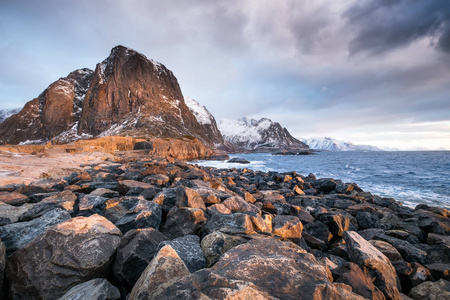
(152, 228)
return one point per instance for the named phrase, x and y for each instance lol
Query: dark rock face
(55, 111)
(135, 251)
(140, 96)
(65, 255)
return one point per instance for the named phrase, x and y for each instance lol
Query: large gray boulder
(264, 268)
(95, 289)
(183, 221)
(18, 235)
(372, 261)
(144, 214)
(63, 256)
(11, 214)
(64, 200)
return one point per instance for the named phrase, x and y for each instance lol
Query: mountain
(262, 135)
(127, 95)
(207, 121)
(330, 144)
(55, 110)
(6, 113)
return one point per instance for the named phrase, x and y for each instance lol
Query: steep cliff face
(135, 96)
(262, 135)
(55, 111)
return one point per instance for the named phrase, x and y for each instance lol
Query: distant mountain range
(258, 135)
(330, 144)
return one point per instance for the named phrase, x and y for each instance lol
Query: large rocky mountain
(330, 144)
(56, 110)
(262, 135)
(126, 95)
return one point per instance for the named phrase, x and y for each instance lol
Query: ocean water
(410, 177)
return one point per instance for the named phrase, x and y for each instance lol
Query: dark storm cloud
(383, 25)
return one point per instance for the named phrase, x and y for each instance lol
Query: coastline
(337, 226)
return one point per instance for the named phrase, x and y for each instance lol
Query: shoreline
(213, 211)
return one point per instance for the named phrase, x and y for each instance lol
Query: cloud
(383, 25)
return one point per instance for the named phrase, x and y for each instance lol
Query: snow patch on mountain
(6, 113)
(200, 112)
(330, 144)
(251, 134)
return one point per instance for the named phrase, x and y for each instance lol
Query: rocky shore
(152, 228)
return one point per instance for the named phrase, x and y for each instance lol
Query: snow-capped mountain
(330, 144)
(6, 113)
(250, 134)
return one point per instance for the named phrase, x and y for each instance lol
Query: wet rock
(17, 235)
(360, 282)
(374, 263)
(183, 221)
(366, 220)
(431, 290)
(215, 244)
(261, 269)
(135, 251)
(163, 271)
(287, 227)
(14, 198)
(238, 160)
(63, 256)
(189, 249)
(144, 214)
(387, 249)
(64, 200)
(95, 289)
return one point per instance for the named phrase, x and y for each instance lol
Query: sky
(367, 71)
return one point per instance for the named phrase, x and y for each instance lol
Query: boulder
(14, 198)
(287, 227)
(107, 193)
(336, 223)
(89, 205)
(238, 160)
(11, 214)
(144, 214)
(431, 290)
(264, 268)
(189, 250)
(95, 289)
(407, 250)
(387, 249)
(238, 204)
(229, 223)
(116, 208)
(135, 251)
(439, 270)
(217, 243)
(64, 200)
(124, 186)
(183, 221)
(164, 270)
(319, 230)
(360, 282)
(17, 235)
(375, 263)
(187, 197)
(64, 256)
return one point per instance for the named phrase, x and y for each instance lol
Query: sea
(416, 177)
